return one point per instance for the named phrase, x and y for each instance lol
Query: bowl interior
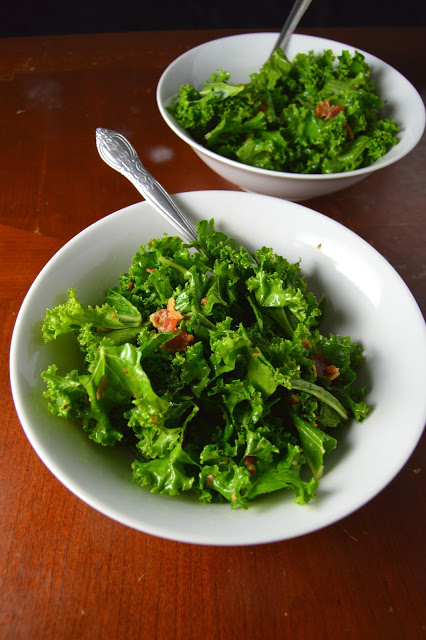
(367, 300)
(244, 54)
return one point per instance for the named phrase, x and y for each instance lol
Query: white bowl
(245, 54)
(367, 300)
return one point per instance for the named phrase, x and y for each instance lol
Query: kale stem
(170, 263)
(320, 393)
(281, 318)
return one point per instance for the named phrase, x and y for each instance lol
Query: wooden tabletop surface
(66, 571)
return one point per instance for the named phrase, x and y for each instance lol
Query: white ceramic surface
(366, 300)
(245, 54)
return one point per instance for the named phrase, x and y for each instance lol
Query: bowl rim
(380, 163)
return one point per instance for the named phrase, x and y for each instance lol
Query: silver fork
(119, 154)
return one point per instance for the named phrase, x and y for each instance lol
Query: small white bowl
(244, 54)
(367, 300)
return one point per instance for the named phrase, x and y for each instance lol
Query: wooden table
(67, 571)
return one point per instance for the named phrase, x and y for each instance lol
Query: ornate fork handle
(119, 154)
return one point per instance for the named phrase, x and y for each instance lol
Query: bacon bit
(209, 480)
(153, 418)
(165, 320)
(255, 354)
(114, 315)
(305, 343)
(319, 245)
(320, 364)
(126, 371)
(349, 131)
(332, 372)
(327, 111)
(204, 300)
(150, 269)
(180, 343)
(171, 308)
(234, 497)
(130, 285)
(292, 400)
(261, 107)
(323, 368)
(162, 321)
(249, 462)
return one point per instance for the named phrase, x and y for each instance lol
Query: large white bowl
(367, 300)
(244, 54)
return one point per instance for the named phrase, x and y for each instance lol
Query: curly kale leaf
(245, 408)
(116, 313)
(276, 120)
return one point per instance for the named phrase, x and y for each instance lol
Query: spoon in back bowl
(119, 154)
(293, 19)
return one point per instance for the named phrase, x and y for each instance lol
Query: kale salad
(317, 114)
(208, 363)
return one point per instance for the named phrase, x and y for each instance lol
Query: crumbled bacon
(261, 107)
(324, 368)
(179, 343)
(320, 364)
(209, 480)
(327, 111)
(166, 321)
(332, 372)
(249, 462)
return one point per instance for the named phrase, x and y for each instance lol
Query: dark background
(27, 18)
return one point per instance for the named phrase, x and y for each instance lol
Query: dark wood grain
(69, 572)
